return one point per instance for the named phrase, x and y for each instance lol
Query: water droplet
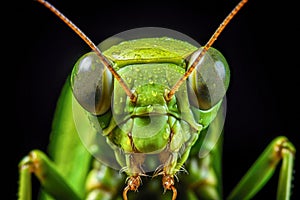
(154, 93)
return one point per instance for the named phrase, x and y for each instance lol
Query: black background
(260, 45)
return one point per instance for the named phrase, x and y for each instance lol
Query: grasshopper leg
(51, 180)
(280, 149)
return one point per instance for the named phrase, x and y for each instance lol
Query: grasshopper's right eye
(210, 79)
(92, 84)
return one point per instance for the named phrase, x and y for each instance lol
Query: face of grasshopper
(151, 134)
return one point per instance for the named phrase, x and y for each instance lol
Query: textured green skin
(151, 50)
(150, 67)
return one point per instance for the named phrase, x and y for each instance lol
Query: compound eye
(210, 79)
(92, 84)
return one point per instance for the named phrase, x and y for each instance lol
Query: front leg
(280, 149)
(45, 170)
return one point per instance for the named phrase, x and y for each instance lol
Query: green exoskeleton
(145, 111)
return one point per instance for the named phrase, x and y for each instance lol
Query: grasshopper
(147, 107)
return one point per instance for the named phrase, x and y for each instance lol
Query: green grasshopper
(152, 109)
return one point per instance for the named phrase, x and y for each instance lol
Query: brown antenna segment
(205, 48)
(105, 62)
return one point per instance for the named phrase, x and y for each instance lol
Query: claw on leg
(133, 184)
(168, 183)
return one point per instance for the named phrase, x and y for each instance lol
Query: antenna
(205, 48)
(105, 62)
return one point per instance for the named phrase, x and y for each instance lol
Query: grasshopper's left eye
(210, 79)
(92, 84)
